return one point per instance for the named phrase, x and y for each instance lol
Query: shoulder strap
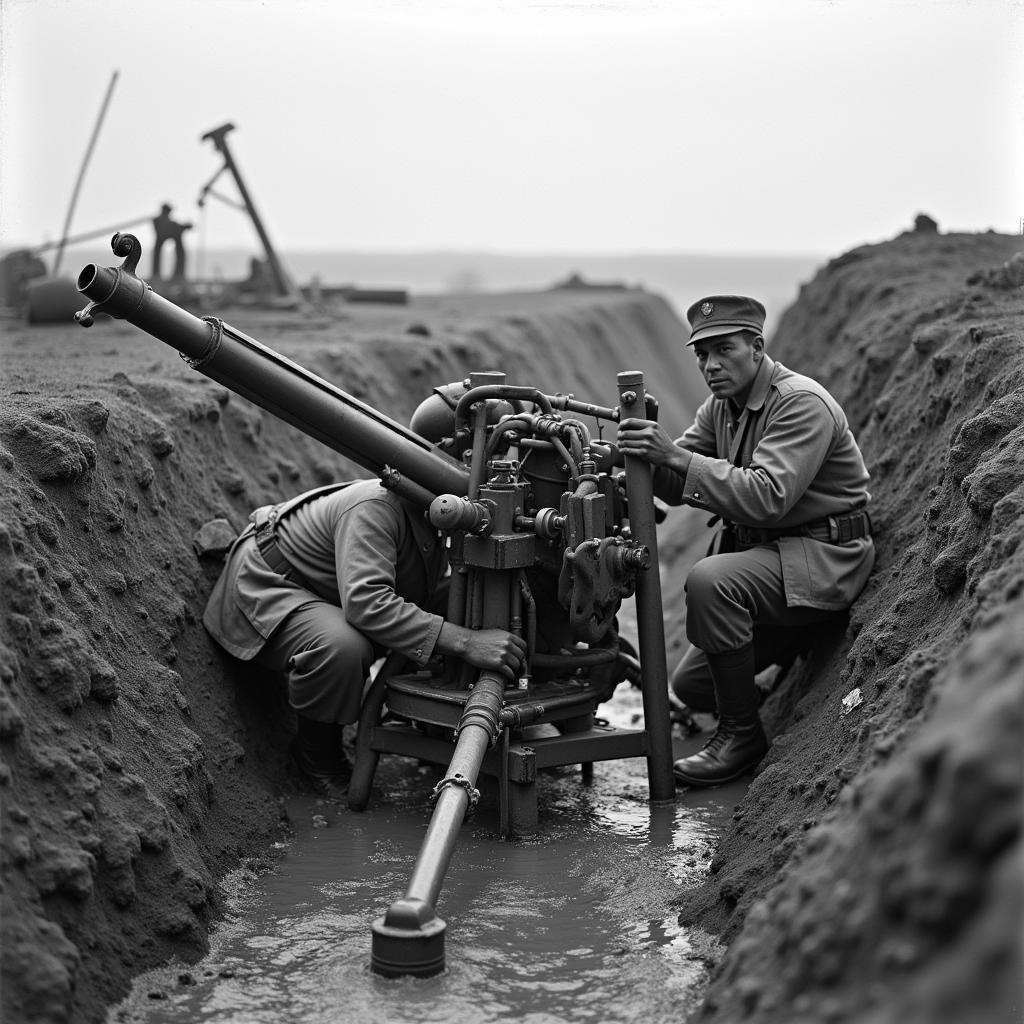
(318, 492)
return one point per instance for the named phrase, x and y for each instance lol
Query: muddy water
(577, 923)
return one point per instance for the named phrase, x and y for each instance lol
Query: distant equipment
(279, 277)
(24, 283)
(282, 282)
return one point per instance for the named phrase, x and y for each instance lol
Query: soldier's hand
(646, 440)
(497, 650)
(493, 649)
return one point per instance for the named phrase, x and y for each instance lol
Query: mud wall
(137, 763)
(874, 871)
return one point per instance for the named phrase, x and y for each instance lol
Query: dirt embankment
(136, 766)
(874, 870)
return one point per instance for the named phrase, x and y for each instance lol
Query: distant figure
(925, 225)
(169, 230)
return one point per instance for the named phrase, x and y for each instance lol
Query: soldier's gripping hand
(494, 649)
(648, 440)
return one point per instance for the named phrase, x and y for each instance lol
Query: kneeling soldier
(318, 588)
(770, 453)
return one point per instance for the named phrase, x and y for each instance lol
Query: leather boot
(739, 742)
(319, 758)
(736, 748)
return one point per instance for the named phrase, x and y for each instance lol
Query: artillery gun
(543, 541)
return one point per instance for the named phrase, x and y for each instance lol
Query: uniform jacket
(787, 458)
(358, 547)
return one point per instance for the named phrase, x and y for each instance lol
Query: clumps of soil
(109, 855)
(138, 764)
(874, 872)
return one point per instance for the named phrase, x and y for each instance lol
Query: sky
(550, 126)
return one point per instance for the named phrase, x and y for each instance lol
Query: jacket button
(696, 494)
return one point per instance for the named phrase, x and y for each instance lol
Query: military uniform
(772, 456)
(774, 473)
(322, 585)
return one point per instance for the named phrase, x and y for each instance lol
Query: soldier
(771, 454)
(318, 588)
(167, 229)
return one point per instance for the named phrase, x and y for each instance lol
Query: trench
(575, 923)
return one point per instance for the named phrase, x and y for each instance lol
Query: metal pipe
(457, 590)
(516, 624)
(478, 468)
(267, 378)
(570, 404)
(401, 485)
(507, 392)
(649, 615)
(531, 616)
(578, 659)
(409, 938)
(520, 424)
(571, 466)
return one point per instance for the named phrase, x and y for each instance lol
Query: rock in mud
(161, 444)
(213, 539)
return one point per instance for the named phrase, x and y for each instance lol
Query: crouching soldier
(318, 588)
(771, 454)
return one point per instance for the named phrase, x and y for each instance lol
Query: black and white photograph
(511, 511)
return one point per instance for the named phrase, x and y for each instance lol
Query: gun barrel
(273, 382)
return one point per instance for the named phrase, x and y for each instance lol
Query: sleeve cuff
(693, 491)
(425, 651)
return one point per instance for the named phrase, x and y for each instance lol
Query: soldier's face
(729, 364)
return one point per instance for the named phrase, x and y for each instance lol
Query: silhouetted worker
(169, 230)
(771, 454)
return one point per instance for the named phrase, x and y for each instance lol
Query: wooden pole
(81, 174)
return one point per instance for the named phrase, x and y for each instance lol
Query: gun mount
(544, 541)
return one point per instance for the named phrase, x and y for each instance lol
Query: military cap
(723, 314)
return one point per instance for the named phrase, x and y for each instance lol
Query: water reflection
(573, 925)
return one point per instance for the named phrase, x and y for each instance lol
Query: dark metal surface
(650, 622)
(267, 378)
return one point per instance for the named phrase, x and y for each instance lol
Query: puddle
(574, 924)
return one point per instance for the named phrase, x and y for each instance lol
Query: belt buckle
(834, 532)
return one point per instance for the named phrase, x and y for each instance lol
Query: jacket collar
(762, 384)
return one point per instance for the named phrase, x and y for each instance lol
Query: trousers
(325, 662)
(736, 599)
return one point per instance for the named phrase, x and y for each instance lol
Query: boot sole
(708, 783)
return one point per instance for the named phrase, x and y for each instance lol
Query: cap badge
(707, 308)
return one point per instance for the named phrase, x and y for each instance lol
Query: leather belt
(270, 550)
(837, 529)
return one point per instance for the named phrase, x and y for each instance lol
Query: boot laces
(722, 735)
